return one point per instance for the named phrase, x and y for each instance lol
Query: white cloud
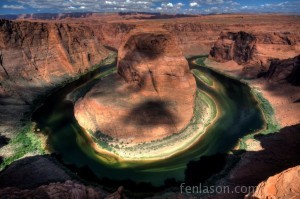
(210, 2)
(179, 4)
(13, 7)
(169, 5)
(71, 8)
(194, 4)
(110, 2)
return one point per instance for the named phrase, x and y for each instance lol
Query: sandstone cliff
(281, 71)
(111, 34)
(195, 38)
(33, 51)
(238, 46)
(280, 186)
(255, 50)
(38, 56)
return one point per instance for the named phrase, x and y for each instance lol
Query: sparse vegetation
(201, 59)
(272, 125)
(268, 111)
(26, 142)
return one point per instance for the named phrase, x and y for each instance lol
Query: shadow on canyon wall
(31, 172)
(3, 141)
(297, 101)
(280, 151)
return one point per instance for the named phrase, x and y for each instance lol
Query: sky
(162, 6)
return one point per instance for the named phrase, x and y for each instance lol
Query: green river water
(239, 115)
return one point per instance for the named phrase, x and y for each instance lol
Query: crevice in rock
(1, 63)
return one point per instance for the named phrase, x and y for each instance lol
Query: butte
(150, 97)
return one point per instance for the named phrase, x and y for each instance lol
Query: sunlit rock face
(282, 185)
(151, 96)
(153, 61)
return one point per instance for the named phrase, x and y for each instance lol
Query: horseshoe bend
(149, 105)
(150, 98)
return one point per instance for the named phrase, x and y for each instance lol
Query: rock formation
(256, 47)
(238, 46)
(44, 52)
(151, 97)
(153, 61)
(68, 189)
(49, 180)
(287, 70)
(36, 57)
(283, 185)
(254, 50)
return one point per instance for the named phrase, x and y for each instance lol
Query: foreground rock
(283, 185)
(151, 97)
(20, 173)
(44, 177)
(68, 189)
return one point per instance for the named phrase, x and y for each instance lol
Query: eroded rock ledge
(282, 185)
(151, 97)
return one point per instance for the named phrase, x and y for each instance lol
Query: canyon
(158, 87)
(38, 56)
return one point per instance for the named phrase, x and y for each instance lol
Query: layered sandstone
(151, 97)
(38, 56)
(43, 52)
(255, 50)
(238, 46)
(283, 185)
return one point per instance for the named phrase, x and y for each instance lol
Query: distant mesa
(151, 97)
(237, 46)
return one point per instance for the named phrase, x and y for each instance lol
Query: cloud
(110, 2)
(194, 4)
(167, 6)
(180, 4)
(285, 7)
(90, 5)
(13, 7)
(210, 2)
